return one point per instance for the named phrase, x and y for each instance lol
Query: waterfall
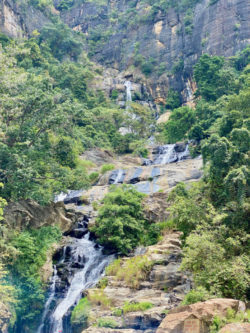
(184, 154)
(49, 300)
(119, 176)
(128, 86)
(166, 154)
(85, 254)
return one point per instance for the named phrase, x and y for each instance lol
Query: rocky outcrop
(124, 32)
(5, 316)
(236, 328)
(164, 288)
(29, 214)
(161, 35)
(198, 317)
(155, 207)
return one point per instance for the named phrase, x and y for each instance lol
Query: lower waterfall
(88, 262)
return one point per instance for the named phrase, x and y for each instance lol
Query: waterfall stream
(128, 86)
(81, 263)
(88, 262)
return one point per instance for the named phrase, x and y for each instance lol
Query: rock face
(164, 288)
(197, 317)
(165, 39)
(5, 316)
(236, 328)
(29, 214)
(221, 29)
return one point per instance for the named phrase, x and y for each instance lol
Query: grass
(107, 322)
(81, 312)
(231, 317)
(132, 271)
(107, 167)
(132, 307)
(97, 297)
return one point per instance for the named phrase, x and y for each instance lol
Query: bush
(199, 294)
(98, 297)
(107, 322)
(81, 312)
(120, 223)
(133, 307)
(107, 167)
(133, 271)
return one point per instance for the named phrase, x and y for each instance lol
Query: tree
(179, 123)
(120, 223)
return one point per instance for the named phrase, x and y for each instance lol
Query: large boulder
(29, 214)
(236, 328)
(196, 318)
(5, 316)
(155, 207)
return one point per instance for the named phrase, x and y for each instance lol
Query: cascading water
(87, 263)
(183, 155)
(166, 154)
(128, 86)
(49, 300)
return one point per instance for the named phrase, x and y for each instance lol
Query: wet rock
(146, 162)
(180, 147)
(75, 197)
(78, 233)
(117, 177)
(136, 176)
(200, 315)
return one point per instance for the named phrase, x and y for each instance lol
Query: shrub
(133, 271)
(196, 295)
(133, 307)
(107, 322)
(81, 312)
(98, 297)
(93, 177)
(107, 167)
(120, 223)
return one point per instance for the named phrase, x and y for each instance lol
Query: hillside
(124, 165)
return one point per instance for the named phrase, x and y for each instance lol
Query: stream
(81, 263)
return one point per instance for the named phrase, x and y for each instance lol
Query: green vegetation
(132, 271)
(107, 167)
(231, 317)
(98, 297)
(107, 322)
(132, 307)
(214, 213)
(120, 224)
(80, 313)
(23, 255)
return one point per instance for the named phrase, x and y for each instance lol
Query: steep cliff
(151, 42)
(163, 42)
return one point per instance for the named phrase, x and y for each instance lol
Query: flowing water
(49, 300)
(86, 254)
(82, 261)
(128, 86)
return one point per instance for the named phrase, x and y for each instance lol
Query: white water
(119, 176)
(184, 154)
(167, 155)
(49, 300)
(128, 86)
(95, 262)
